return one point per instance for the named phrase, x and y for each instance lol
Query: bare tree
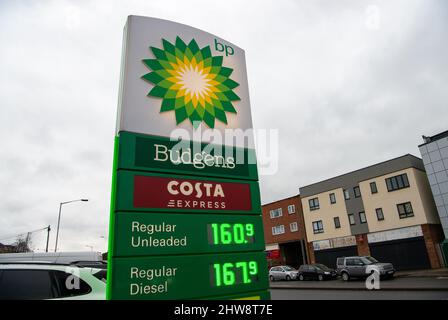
(23, 243)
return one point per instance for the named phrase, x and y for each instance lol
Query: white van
(51, 257)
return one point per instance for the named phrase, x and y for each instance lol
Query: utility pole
(48, 237)
(28, 235)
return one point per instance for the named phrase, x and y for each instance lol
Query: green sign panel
(188, 276)
(154, 153)
(143, 234)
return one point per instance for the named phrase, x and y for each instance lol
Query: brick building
(284, 232)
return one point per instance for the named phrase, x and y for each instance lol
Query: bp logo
(191, 82)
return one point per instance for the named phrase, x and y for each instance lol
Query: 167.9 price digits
(227, 274)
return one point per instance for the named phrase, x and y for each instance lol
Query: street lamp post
(59, 220)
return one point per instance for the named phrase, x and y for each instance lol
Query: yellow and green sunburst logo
(191, 82)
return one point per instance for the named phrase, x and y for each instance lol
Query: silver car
(283, 273)
(361, 267)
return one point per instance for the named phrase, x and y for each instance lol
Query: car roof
(44, 266)
(282, 266)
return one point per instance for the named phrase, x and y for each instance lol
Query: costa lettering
(187, 188)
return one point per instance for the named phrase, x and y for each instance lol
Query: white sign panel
(344, 242)
(334, 243)
(175, 76)
(270, 247)
(403, 233)
(321, 245)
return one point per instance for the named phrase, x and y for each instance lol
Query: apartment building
(434, 153)
(385, 210)
(284, 232)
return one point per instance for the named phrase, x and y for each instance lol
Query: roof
(273, 202)
(433, 138)
(366, 173)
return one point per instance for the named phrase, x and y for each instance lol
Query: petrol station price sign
(145, 234)
(185, 215)
(189, 276)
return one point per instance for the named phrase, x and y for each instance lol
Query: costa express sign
(150, 192)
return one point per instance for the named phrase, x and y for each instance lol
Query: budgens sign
(185, 218)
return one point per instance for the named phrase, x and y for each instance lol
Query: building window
(397, 182)
(337, 223)
(318, 227)
(346, 195)
(278, 230)
(362, 217)
(405, 210)
(373, 187)
(276, 213)
(357, 192)
(332, 198)
(379, 214)
(291, 209)
(293, 227)
(351, 219)
(314, 204)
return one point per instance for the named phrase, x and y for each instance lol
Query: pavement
(421, 280)
(286, 294)
(430, 273)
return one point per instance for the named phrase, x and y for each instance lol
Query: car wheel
(345, 276)
(288, 278)
(301, 278)
(271, 278)
(320, 277)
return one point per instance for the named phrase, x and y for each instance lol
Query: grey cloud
(343, 96)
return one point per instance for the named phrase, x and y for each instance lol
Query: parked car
(38, 281)
(361, 267)
(283, 273)
(316, 271)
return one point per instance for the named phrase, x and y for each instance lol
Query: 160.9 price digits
(238, 233)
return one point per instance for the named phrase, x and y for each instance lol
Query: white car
(38, 281)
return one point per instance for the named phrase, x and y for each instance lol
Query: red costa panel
(159, 192)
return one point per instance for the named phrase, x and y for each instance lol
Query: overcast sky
(347, 83)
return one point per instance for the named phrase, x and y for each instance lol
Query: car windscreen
(322, 267)
(288, 268)
(368, 260)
